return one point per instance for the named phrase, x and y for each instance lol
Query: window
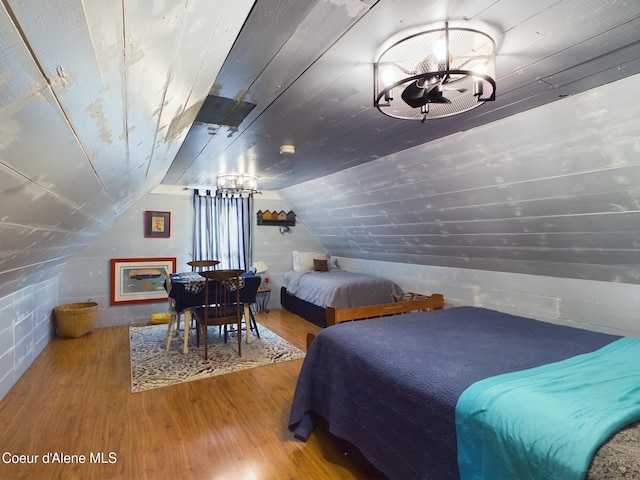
(222, 229)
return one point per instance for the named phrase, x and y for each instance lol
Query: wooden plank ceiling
(307, 66)
(551, 192)
(97, 99)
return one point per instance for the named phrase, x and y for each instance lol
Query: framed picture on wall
(157, 224)
(137, 280)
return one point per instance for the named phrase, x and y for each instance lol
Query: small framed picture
(157, 224)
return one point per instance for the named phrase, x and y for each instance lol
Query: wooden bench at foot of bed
(338, 315)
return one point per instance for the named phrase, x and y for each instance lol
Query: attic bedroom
(526, 203)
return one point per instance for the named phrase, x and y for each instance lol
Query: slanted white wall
(551, 191)
(603, 306)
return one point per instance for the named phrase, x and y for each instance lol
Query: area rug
(152, 366)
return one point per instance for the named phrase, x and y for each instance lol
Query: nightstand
(262, 299)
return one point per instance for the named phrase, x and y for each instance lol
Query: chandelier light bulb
(479, 68)
(388, 76)
(440, 50)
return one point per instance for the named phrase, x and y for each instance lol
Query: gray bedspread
(338, 288)
(390, 385)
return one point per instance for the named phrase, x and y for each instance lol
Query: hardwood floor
(76, 400)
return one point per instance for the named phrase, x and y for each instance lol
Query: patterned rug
(152, 366)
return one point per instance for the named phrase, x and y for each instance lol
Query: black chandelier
(435, 73)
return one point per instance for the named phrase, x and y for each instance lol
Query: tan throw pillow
(320, 265)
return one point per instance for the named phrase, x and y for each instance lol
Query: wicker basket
(75, 319)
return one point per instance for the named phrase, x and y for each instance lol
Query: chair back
(251, 285)
(197, 265)
(167, 280)
(171, 306)
(222, 296)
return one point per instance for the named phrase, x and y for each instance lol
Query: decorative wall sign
(157, 224)
(276, 218)
(135, 280)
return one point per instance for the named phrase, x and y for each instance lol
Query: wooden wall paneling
(204, 40)
(332, 97)
(196, 140)
(17, 238)
(594, 308)
(324, 23)
(26, 328)
(398, 236)
(12, 281)
(34, 206)
(85, 79)
(607, 305)
(50, 156)
(263, 38)
(150, 51)
(612, 67)
(561, 191)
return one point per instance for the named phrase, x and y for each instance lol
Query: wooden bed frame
(335, 315)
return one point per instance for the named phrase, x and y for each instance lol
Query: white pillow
(304, 260)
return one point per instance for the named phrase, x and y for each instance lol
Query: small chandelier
(435, 73)
(236, 185)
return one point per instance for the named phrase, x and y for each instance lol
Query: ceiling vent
(223, 111)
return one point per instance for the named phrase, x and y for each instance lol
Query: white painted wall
(26, 316)
(87, 275)
(26, 327)
(603, 306)
(275, 248)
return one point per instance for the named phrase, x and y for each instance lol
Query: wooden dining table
(187, 290)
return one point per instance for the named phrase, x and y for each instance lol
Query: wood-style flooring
(75, 400)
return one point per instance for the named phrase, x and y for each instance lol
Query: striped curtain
(222, 229)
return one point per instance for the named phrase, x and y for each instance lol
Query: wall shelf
(276, 218)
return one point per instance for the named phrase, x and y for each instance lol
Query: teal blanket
(547, 422)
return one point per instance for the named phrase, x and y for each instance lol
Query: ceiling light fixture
(236, 185)
(435, 73)
(287, 150)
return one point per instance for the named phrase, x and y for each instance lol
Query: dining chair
(248, 298)
(222, 305)
(174, 320)
(197, 265)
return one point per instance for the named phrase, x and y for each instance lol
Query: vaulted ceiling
(98, 99)
(307, 68)
(95, 100)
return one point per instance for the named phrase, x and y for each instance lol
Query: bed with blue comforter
(395, 388)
